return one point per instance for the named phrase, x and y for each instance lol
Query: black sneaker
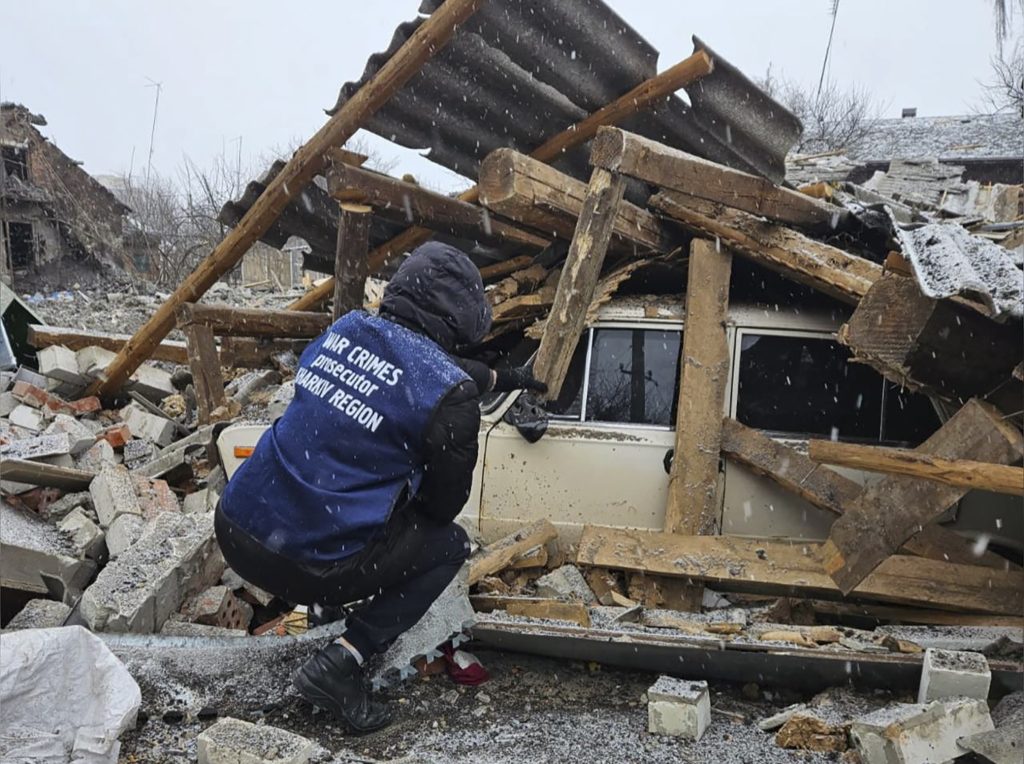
(332, 679)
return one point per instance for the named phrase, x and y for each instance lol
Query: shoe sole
(321, 699)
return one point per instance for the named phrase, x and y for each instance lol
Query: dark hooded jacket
(384, 420)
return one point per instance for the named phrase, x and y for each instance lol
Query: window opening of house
(807, 386)
(15, 160)
(20, 243)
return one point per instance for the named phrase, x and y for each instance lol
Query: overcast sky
(261, 72)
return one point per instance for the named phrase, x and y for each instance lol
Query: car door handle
(667, 461)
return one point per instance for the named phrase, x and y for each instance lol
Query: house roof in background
(965, 137)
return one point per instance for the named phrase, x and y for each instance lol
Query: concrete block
(151, 383)
(93, 361)
(80, 437)
(85, 535)
(912, 733)
(218, 606)
(113, 493)
(68, 503)
(32, 377)
(678, 708)
(148, 426)
(27, 417)
(123, 532)
(195, 502)
(31, 547)
(38, 447)
(98, 455)
(171, 463)
(565, 583)
(176, 557)
(231, 741)
(60, 363)
(39, 614)
(953, 674)
(8, 403)
(137, 452)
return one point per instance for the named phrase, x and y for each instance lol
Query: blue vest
(324, 479)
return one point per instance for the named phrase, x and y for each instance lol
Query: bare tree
(1005, 91)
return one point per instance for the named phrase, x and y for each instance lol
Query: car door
(603, 458)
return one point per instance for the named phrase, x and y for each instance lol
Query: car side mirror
(528, 416)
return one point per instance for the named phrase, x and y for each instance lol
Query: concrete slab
(232, 741)
(31, 547)
(37, 447)
(912, 733)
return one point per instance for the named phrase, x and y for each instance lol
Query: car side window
(633, 376)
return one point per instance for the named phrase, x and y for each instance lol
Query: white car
(605, 455)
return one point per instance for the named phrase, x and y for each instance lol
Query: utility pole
(152, 131)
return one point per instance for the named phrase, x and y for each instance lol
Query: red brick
(155, 496)
(30, 395)
(88, 405)
(117, 435)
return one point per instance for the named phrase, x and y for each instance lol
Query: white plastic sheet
(64, 698)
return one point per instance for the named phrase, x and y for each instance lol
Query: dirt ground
(532, 710)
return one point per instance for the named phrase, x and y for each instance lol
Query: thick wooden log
(675, 170)
(498, 555)
(802, 259)
(204, 362)
(350, 265)
(834, 492)
(535, 194)
(425, 208)
(772, 567)
(894, 509)
(935, 345)
(646, 94)
(304, 165)
(704, 371)
(40, 336)
(228, 321)
(579, 279)
(900, 461)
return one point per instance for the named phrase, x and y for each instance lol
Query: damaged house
(59, 225)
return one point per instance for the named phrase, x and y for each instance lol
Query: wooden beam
(228, 321)
(505, 267)
(908, 615)
(772, 567)
(579, 278)
(350, 265)
(693, 506)
(204, 362)
(40, 336)
(429, 37)
(981, 476)
(535, 194)
(245, 353)
(498, 555)
(833, 492)
(646, 94)
(675, 170)
(797, 257)
(425, 208)
(46, 475)
(520, 282)
(935, 345)
(894, 509)
(533, 607)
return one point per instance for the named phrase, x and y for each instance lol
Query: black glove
(519, 378)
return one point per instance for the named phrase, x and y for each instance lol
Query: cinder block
(953, 674)
(38, 447)
(8, 403)
(565, 583)
(152, 383)
(231, 741)
(123, 532)
(80, 437)
(93, 361)
(86, 536)
(60, 363)
(148, 426)
(679, 708)
(28, 418)
(176, 556)
(31, 547)
(113, 493)
(99, 454)
(911, 733)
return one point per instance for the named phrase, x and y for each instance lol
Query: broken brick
(117, 436)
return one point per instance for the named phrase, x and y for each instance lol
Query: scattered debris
(679, 708)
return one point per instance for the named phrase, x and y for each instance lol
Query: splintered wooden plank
(834, 492)
(894, 509)
(660, 165)
(579, 279)
(350, 265)
(899, 461)
(428, 38)
(704, 370)
(414, 204)
(532, 193)
(935, 345)
(498, 555)
(204, 363)
(800, 258)
(40, 336)
(533, 607)
(773, 567)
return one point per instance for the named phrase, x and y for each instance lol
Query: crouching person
(353, 492)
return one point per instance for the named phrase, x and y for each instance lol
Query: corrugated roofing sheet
(520, 71)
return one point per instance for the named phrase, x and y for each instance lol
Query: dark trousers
(404, 572)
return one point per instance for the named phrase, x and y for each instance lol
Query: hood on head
(438, 290)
